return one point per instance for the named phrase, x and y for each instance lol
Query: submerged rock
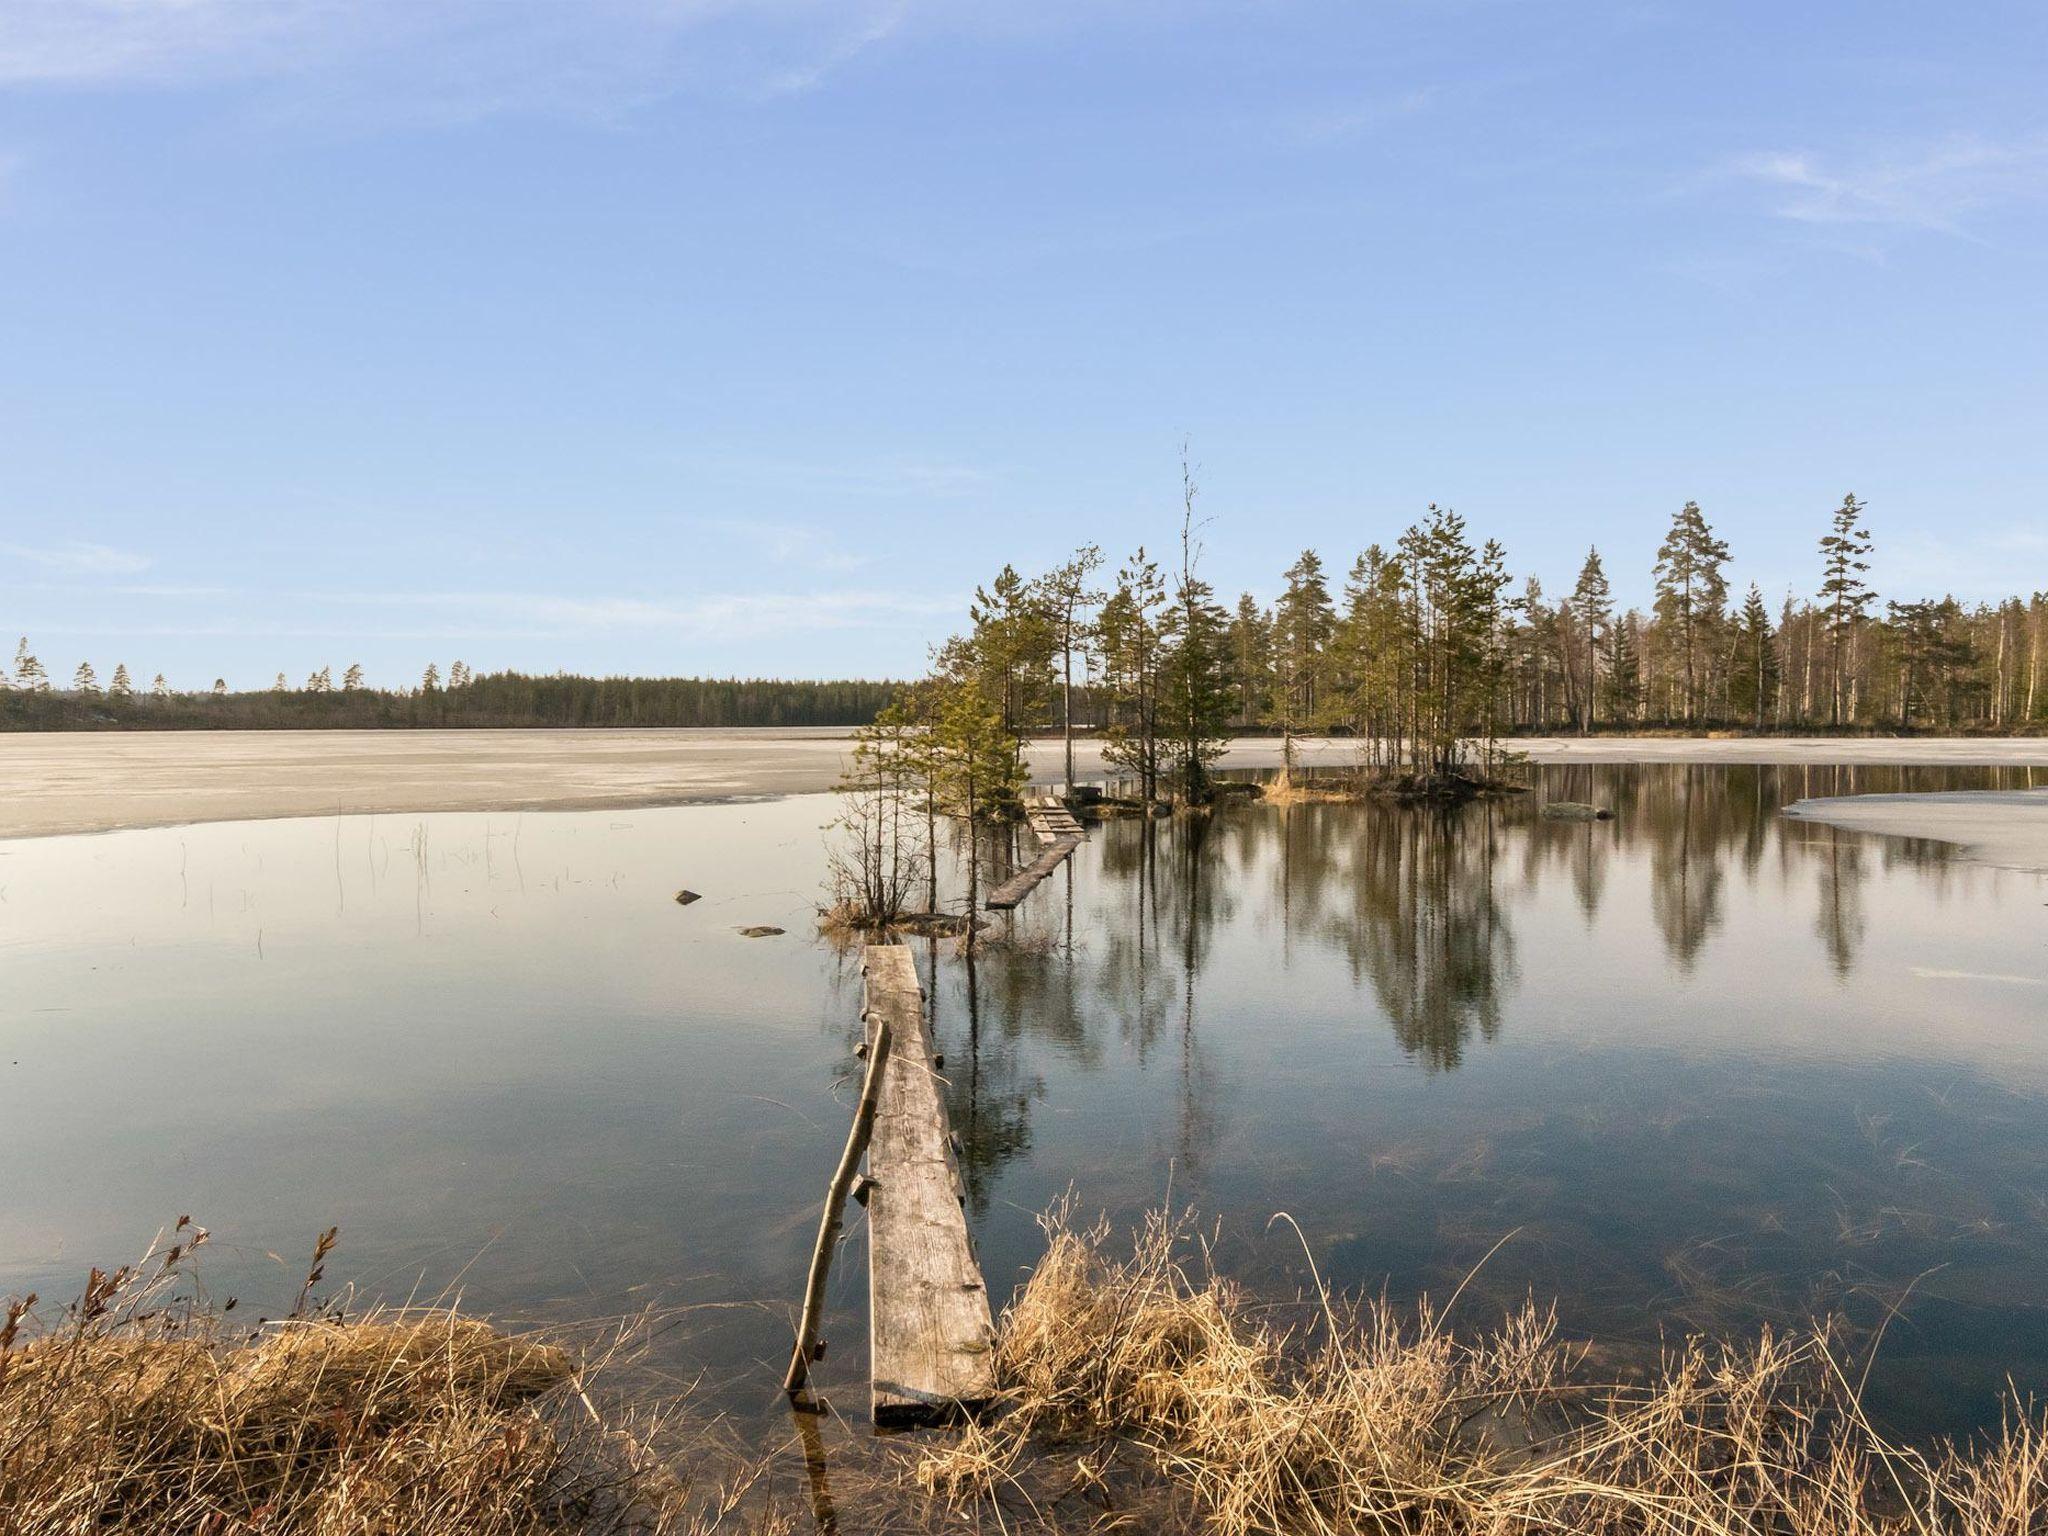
(685, 897)
(1576, 810)
(759, 931)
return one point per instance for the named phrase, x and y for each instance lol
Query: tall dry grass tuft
(1158, 1387)
(142, 1408)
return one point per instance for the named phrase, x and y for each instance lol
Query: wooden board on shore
(1013, 890)
(929, 1325)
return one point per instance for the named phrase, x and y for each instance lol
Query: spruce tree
(1625, 669)
(1251, 659)
(1593, 604)
(1753, 673)
(1303, 621)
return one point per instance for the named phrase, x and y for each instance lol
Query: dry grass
(1145, 1390)
(141, 1408)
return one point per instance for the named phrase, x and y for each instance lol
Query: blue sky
(747, 335)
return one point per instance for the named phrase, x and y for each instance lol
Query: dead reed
(1144, 1390)
(142, 1407)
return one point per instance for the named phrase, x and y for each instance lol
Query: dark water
(1698, 1067)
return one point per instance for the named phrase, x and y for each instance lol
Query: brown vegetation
(141, 1408)
(1147, 1391)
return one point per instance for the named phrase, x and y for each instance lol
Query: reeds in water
(1146, 1390)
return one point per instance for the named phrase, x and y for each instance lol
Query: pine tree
(1067, 597)
(1013, 633)
(979, 776)
(458, 675)
(1194, 672)
(1593, 605)
(352, 679)
(1753, 674)
(1691, 592)
(321, 681)
(1128, 632)
(28, 671)
(122, 687)
(1843, 593)
(159, 689)
(220, 687)
(280, 687)
(85, 682)
(430, 680)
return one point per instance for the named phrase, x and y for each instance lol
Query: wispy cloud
(79, 557)
(1347, 120)
(472, 56)
(1933, 187)
(863, 36)
(791, 544)
(712, 616)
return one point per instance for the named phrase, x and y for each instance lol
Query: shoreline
(61, 783)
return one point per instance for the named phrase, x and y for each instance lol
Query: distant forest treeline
(1425, 642)
(498, 699)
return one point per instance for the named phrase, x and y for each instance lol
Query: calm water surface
(1699, 1066)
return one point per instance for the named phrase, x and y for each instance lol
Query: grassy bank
(144, 1406)
(1142, 1393)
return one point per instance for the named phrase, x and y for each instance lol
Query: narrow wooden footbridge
(930, 1330)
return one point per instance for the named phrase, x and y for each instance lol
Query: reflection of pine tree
(1688, 865)
(1839, 921)
(1424, 926)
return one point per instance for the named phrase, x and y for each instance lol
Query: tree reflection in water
(1116, 952)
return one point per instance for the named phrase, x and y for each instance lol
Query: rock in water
(759, 931)
(685, 897)
(1575, 810)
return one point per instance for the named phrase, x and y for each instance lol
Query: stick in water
(835, 1201)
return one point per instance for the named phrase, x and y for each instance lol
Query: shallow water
(1695, 1067)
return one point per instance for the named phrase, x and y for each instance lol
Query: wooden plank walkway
(929, 1324)
(1058, 834)
(1013, 890)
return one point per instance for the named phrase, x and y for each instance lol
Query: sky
(748, 336)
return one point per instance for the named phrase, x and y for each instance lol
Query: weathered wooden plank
(929, 1323)
(1013, 890)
